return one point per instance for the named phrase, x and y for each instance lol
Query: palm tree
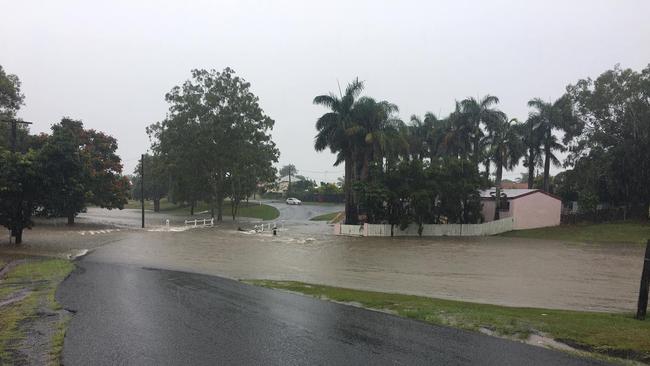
(505, 149)
(533, 145)
(336, 131)
(426, 136)
(377, 132)
(479, 113)
(549, 117)
(457, 140)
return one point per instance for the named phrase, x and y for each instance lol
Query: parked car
(293, 201)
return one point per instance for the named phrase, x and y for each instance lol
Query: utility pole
(14, 128)
(17, 232)
(142, 187)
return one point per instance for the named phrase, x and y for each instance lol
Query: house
(282, 184)
(530, 208)
(508, 184)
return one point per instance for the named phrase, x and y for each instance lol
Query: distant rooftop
(510, 193)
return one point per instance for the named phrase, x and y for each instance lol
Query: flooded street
(497, 270)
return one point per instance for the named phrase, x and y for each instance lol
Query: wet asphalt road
(126, 315)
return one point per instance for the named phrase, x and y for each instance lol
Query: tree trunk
(220, 208)
(487, 169)
(156, 205)
(71, 218)
(365, 169)
(531, 169)
(547, 167)
(497, 202)
(192, 208)
(351, 216)
(219, 196)
(18, 234)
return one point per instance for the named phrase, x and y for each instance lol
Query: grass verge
(325, 217)
(29, 287)
(610, 334)
(614, 232)
(250, 209)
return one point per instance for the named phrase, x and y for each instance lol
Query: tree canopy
(611, 157)
(215, 141)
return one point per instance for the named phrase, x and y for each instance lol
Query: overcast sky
(110, 63)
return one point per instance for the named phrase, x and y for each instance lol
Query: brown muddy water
(496, 270)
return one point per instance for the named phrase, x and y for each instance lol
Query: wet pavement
(126, 315)
(504, 271)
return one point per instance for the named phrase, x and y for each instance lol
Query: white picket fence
(486, 228)
(200, 222)
(278, 225)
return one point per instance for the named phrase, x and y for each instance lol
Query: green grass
(148, 205)
(313, 203)
(57, 341)
(612, 334)
(40, 277)
(253, 210)
(615, 232)
(325, 217)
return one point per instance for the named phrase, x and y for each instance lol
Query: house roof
(512, 193)
(285, 178)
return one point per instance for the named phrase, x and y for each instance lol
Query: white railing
(269, 226)
(201, 222)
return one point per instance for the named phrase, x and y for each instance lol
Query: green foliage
(545, 120)
(336, 131)
(505, 149)
(327, 188)
(302, 185)
(425, 172)
(79, 167)
(442, 191)
(20, 190)
(215, 141)
(156, 182)
(611, 158)
(11, 99)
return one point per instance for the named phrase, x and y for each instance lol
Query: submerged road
(127, 315)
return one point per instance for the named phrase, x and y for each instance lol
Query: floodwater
(497, 270)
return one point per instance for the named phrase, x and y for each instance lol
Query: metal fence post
(642, 306)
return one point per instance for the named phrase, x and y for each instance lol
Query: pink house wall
(536, 210)
(530, 211)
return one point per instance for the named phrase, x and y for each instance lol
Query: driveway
(126, 315)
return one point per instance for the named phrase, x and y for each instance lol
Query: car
(293, 201)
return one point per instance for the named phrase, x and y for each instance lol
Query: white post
(194, 222)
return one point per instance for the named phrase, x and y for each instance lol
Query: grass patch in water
(38, 278)
(325, 217)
